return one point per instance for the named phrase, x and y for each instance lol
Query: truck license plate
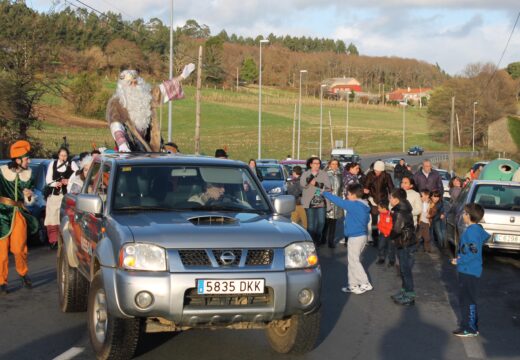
(246, 286)
(507, 238)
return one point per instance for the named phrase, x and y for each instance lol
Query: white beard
(136, 100)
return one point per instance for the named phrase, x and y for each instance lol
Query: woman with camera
(58, 174)
(312, 181)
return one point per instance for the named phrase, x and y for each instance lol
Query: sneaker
(349, 289)
(366, 287)
(397, 295)
(465, 333)
(380, 261)
(342, 241)
(3, 290)
(26, 282)
(405, 300)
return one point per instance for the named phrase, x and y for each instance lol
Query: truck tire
(299, 337)
(72, 286)
(112, 338)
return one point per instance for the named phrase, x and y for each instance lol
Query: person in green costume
(15, 220)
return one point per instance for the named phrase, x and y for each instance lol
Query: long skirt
(52, 210)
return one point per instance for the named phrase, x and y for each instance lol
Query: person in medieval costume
(15, 220)
(132, 112)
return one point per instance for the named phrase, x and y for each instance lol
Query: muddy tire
(72, 286)
(296, 336)
(112, 338)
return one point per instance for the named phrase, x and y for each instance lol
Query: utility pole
(452, 121)
(294, 131)
(473, 137)
(346, 127)
(331, 137)
(458, 129)
(197, 105)
(237, 78)
(171, 74)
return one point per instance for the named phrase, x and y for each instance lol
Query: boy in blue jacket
(356, 221)
(469, 268)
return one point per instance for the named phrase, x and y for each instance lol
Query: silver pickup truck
(169, 243)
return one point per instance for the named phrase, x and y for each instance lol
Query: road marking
(70, 354)
(473, 348)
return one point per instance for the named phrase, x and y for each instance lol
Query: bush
(82, 92)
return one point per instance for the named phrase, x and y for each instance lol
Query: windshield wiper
(227, 208)
(141, 207)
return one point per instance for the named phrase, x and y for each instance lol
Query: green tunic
(11, 186)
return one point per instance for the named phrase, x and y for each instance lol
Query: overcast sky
(452, 33)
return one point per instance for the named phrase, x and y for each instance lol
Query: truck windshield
(177, 188)
(498, 197)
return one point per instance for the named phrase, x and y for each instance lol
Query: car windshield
(346, 158)
(181, 188)
(444, 175)
(498, 197)
(271, 172)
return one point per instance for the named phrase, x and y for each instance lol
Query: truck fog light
(144, 299)
(305, 297)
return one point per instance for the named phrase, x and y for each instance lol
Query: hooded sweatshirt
(358, 215)
(469, 259)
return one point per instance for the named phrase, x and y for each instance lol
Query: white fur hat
(379, 165)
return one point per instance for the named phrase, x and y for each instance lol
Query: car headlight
(300, 255)
(146, 257)
(276, 190)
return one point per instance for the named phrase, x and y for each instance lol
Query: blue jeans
(315, 223)
(439, 232)
(385, 247)
(406, 260)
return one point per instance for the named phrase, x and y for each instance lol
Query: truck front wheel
(296, 335)
(111, 337)
(72, 286)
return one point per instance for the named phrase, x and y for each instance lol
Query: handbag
(317, 200)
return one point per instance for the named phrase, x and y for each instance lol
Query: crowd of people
(398, 220)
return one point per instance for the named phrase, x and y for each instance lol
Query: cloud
(466, 28)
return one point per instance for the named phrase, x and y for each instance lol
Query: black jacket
(403, 229)
(294, 188)
(400, 171)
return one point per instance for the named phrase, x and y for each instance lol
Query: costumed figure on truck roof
(132, 112)
(15, 221)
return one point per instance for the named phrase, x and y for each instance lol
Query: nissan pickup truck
(159, 242)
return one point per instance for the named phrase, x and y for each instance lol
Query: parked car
(415, 150)
(139, 255)
(501, 203)
(446, 177)
(274, 179)
(37, 209)
(345, 156)
(391, 163)
(266, 161)
(290, 164)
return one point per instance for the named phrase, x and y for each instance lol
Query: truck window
(102, 185)
(91, 181)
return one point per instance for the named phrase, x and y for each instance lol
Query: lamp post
(300, 111)
(263, 41)
(171, 74)
(346, 125)
(321, 114)
(404, 104)
(473, 147)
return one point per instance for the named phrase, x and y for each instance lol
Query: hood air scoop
(212, 220)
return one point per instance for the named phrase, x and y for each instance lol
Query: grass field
(514, 129)
(230, 120)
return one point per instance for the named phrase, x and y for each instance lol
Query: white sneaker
(342, 241)
(358, 290)
(349, 289)
(366, 287)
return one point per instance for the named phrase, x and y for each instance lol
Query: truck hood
(190, 230)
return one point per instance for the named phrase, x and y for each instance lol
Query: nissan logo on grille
(227, 257)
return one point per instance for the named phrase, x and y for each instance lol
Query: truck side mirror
(89, 203)
(284, 205)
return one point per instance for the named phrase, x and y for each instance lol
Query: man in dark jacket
(294, 188)
(378, 185)
(399, 172)
(427, 178)
(403, 236)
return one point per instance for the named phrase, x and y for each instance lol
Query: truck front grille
(191, 298)
(194, 258)
(259, 257)
(236, 252)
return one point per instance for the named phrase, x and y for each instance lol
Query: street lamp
(263, 41)
(321, 114)
(171, 74)
(300, 111)
(404, 104)
(474, 104)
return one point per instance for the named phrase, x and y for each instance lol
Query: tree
(249, 71)
(124, 54)
(352, 49)
(194, 30)
(213, 51)
(514, 70)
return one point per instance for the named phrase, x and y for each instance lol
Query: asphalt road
(368, 326)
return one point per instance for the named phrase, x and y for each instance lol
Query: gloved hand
(123, 148)
(188, 69)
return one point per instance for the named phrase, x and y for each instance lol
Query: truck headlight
(300, 255)
(146, 257)
(276, 190)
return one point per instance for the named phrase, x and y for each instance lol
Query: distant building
(409, 94)
(339, 86)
